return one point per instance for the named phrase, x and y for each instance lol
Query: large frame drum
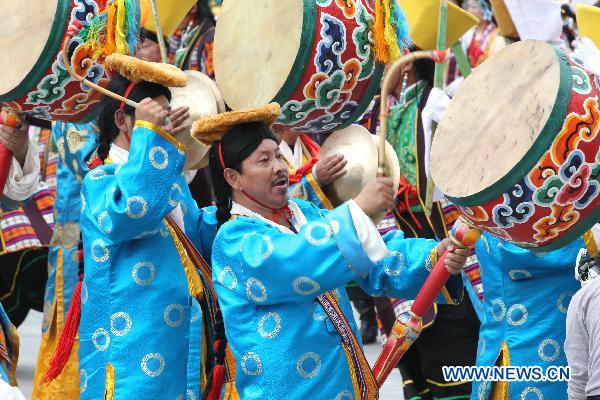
(33, 78)
(518, 149)
(314, 57)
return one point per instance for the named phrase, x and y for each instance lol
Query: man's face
(265, 175)
(148, 50)
(474, 8)
(126, 123)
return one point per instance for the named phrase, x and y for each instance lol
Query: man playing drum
(273, 256)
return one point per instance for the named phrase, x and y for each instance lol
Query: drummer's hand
(16, 140)
(150, 111)
(330, 169)
(178, 117)
(376, 196)
(456, 258)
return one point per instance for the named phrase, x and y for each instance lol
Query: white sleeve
(367, 232)
(22, 183)
(190, 175)
(437, 102)
(8, 392)
(576, 349)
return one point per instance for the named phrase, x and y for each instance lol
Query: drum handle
(98, 88)
(406, 331)
(437, 56)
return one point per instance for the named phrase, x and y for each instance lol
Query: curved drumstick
(11, 119)
(386, 89)
(73, 29)
(408, 326)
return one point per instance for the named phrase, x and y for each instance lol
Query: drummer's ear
(233, 178)
(121, 121)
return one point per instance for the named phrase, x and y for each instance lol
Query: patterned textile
(480, 47)
(24, 227)
(525, 306)
(194, 48)
(140, 329)
(9, 344)
(402, 122)
(267, 280)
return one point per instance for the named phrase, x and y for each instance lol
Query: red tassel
(218, 379)
(67, 338)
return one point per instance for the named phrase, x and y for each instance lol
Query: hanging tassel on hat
(390, 31)
(115, 29)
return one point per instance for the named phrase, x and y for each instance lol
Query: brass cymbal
(359, 147)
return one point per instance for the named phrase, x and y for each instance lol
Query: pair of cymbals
(204, 98)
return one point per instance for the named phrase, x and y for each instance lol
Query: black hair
(424, 68)
(236, 146)
(204, 12)
(109, 106)
(145, 34)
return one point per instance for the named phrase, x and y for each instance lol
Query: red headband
(126, 95)
(221, 156)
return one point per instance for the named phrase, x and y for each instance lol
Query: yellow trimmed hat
(170, 13)
(213, 127)
(136, 70)
(505, 22)
(588, 22)
(422, 17)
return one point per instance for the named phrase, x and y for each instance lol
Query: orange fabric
(313, 149)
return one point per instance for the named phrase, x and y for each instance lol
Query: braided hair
(109, 106)
(236, 146)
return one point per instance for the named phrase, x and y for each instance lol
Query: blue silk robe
(524, 313)
(267, 280)
(140, 327)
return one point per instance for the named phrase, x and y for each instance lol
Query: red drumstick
(407, 327)
(8, 119)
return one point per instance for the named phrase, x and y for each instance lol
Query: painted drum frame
(557, 195)
(350, 72)
(48, 91)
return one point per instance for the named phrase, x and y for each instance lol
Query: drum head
(359, 147)
(24, 31)
(495, 118)
(256, 43)
(216, 92)
(199, 96)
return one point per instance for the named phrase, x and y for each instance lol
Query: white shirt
(120, 156)
(294, 157)
(22, 183)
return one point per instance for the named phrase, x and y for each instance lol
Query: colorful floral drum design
(48, 91)
(334, 75)
(552, 195)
